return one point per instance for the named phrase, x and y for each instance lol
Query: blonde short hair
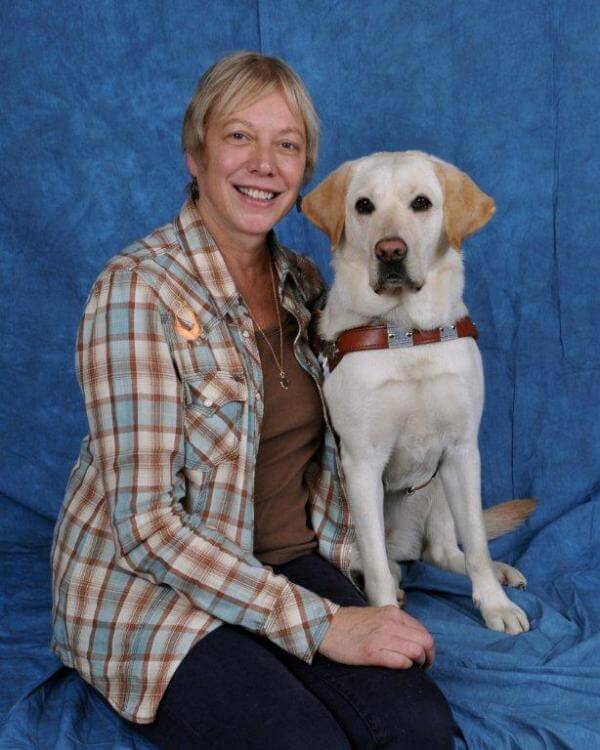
(244, 77)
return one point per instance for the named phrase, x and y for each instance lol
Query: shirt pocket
(215, 404)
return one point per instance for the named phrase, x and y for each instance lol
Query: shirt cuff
(299, 621)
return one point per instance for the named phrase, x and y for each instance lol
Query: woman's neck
(248, 262)
(246, 258)
(245, 251)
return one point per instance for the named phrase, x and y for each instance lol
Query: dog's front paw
(507, 618)
(509, 576)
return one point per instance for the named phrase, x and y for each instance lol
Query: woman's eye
(237, 135)
(421, 203)
(364, 206)
(289, 146)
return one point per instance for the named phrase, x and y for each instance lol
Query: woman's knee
(312, 727)
(424, 717)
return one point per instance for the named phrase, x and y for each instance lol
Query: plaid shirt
(153, 546)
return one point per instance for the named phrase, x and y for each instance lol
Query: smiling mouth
(265, 196)
(394, 281)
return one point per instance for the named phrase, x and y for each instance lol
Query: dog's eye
(421, 203)
(364, 206)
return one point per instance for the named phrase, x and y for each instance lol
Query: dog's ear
(325, 206)
(466, 207)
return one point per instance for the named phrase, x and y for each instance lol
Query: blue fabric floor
(540, 689)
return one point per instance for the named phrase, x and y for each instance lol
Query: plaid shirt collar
(209, 265)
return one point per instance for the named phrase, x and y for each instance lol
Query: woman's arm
(134, 405)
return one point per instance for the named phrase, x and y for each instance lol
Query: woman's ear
(325, 206)
(466, 207)
(191, 164)
(195, 162)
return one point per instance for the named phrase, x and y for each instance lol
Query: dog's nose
(391, 250)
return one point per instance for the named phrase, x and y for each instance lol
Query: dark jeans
(238, 690)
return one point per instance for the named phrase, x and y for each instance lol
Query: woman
(201, 555)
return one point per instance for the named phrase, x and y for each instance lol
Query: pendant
(283, 381)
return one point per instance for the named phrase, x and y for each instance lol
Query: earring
(193, 187)
(299, 204)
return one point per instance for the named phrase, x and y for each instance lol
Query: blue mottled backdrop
(508, 90)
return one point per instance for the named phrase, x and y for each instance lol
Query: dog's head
(397, 212)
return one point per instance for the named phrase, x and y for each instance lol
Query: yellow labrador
(408, 416)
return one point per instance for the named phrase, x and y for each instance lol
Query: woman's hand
(377, 636)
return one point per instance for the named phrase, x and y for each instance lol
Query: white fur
(398, 412)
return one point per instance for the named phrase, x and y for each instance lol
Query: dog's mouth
(393, 278)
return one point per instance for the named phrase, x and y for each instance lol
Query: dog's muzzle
(392, 275)
(391, 250)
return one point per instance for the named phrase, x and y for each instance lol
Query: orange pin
(187, 325)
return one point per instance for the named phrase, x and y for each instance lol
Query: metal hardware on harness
(400, 338)
(412, 490)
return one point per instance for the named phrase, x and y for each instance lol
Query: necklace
(283, 381)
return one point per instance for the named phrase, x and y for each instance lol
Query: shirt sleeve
(134, 404)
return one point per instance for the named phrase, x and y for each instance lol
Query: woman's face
(251, 168)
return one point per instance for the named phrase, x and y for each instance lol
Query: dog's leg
(356, 567)
(365, 496)
(441, 545)
(460, 475)
(441, 552)
(397, 576)
(404, 527)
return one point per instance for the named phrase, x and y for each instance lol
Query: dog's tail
(505, 517)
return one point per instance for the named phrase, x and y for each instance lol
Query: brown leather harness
(387, 336)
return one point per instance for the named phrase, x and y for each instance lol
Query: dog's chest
(409, 406)
(431, 416)
(427, 411)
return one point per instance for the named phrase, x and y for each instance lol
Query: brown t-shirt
(292, 430)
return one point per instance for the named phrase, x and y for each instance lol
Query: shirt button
(258, 397)
(246, 334)
(208, 402)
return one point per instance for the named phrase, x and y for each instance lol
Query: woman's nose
(262, 161)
